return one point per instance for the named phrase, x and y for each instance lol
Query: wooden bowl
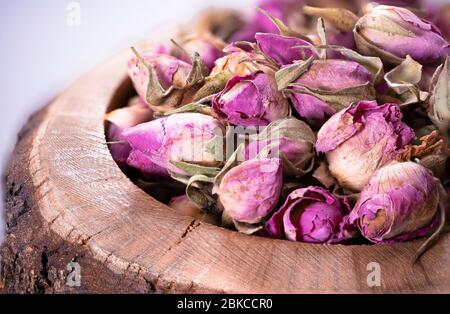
(69, 204)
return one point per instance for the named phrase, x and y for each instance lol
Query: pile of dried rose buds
(315, 124)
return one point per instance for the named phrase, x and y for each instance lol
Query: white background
(40, 54)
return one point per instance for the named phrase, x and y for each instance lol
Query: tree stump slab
(68, 202)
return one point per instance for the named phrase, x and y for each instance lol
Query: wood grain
(68, 201)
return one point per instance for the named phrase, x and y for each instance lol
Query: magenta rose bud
(250, 191)
(290, 139)
(170, 71)
(399, 203)
(119, 120)
(283, 49)
(392, 33)
(281, 9)
(348, 79)
(312, 215)
(361, 139)
(251, 100)
(206, 45)
(180, 137)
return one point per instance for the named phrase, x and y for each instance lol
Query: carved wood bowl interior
(85, 199)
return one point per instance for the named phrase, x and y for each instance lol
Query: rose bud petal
(185, 206)
(179, 137)
(119, 120)
(206, 45)
(251, 100)
(241, 62)
(292, 139)
(283, 49)
(250, 191)
(312, 215)
(399, 203)
(392, 33)
(360, 140)
(329, 86)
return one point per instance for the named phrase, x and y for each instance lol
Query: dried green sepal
(285, 76)
(439, 101)
(323, 37)
(194, 169)
(338, 99)
(192, 107)
(403, 81)
(213, 84)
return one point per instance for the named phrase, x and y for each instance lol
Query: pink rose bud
(329, 86)
(119, 120)
(241, 62)
(179, 137)
(292, 139)
(361, 139)
(251, 100)
(163, 80)
(250, 191)
(392, 33)
(281, 49)
(281, 9)
(206, 45)
(312, 215)
(399, 203)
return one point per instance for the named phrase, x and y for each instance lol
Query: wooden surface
(68, 201)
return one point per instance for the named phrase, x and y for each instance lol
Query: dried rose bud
(399, 203)
(250, 191)
(205, 44)
(163, 80)
(360, 140)
(185, 206)
(328, 86)
(241, 62)
(251, 100)
(283, 49)
(313, 215)
(119, 120)
(292, 139)
(392, 33)
(177, 138)
(282, 9)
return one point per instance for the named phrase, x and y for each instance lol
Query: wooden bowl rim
(86, 199)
